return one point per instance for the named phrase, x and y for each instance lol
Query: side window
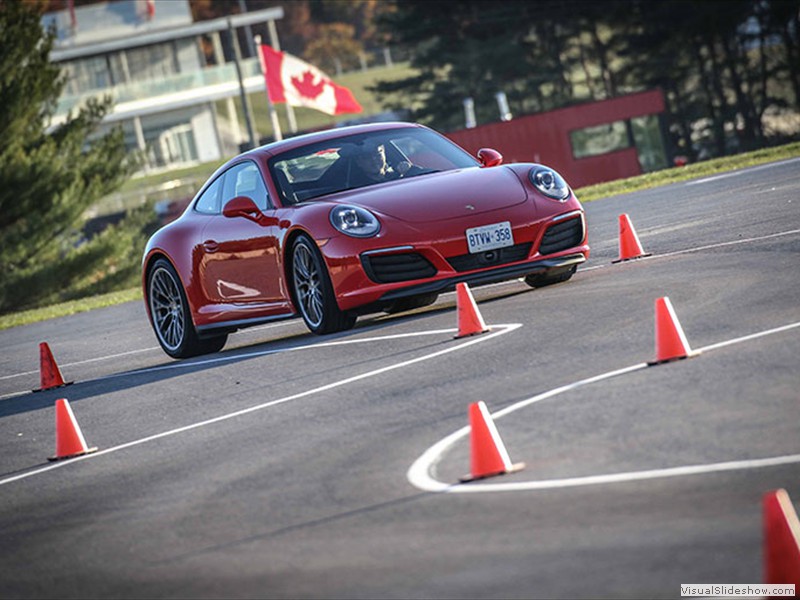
(208, 203)
(245, 180)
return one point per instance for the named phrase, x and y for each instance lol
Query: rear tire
(550, 277)
(171, 317)
(313, 291)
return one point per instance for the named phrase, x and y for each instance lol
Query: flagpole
(276, 45)
(273, 115)
(237, 55)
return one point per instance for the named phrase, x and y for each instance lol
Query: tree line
(729, 69)
(49, 178)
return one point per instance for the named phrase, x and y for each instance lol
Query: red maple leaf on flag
(306, 85)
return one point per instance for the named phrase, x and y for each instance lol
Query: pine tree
(49, 178)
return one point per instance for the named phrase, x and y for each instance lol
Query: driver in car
(372, 166)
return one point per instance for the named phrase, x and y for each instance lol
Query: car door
(240, 256)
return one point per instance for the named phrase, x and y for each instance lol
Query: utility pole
(248, 113)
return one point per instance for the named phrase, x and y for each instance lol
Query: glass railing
(154, 88)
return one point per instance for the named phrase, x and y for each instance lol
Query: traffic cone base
(692, 354)
(512, 469)
(49, 373)
(69, 438)
(781, 539)
(621, 260)
(671, 343)
(66, 456)
(470, 321)
(488, 455)
(630, 247)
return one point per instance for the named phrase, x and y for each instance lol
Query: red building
(587, 143)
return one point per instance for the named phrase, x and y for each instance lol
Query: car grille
(561, 236)
(490, 258)
(391, 268)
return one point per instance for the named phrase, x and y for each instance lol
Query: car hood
(442, 196)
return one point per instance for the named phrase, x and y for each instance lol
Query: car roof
(267, 151)
(329, 134)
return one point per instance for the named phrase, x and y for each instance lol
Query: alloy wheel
(167, 308)
(308, 285)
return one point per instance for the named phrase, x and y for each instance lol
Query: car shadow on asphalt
(166, 371)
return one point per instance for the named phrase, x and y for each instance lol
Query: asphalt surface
(290, 465)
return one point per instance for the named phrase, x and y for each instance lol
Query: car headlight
(355, 221)
(549, 182)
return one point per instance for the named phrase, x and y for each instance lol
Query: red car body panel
(234, 272)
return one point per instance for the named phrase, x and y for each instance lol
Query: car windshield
(362, 160)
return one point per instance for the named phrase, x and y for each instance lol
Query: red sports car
(334, 224)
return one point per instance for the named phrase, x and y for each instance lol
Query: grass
(586, 194)
(72, 307)
(692, 171)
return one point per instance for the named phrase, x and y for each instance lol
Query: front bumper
(485, 277)
(435, 261)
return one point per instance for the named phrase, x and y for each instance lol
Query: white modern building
(166, 74)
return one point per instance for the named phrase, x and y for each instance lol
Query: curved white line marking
(230, 357)
(496, 330)
(419, 474)
(83, 362)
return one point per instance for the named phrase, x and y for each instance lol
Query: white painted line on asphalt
(229, 357)
(83, 362)
(420, 473)
(496, 330)
(742, 171)
(121, 354)
(721, 245)
(185, 364)
(737, 465)
(696, 249)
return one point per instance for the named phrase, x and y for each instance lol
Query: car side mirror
(489, 157)
(241, 206)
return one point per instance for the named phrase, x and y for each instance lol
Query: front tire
(171, 317)
(313, 290)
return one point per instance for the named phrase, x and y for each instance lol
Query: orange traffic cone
(488, 455)
(781, 539)
(671, 342)
(69, 439)
(629, 245)
(470, 321)
(49, 373)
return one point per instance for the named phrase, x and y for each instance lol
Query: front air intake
(562, 236)
(393, 268)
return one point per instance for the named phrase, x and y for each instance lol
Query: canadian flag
(298, 83)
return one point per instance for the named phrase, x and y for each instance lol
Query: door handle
(210, 246)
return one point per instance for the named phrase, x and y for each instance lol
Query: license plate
(489, 237)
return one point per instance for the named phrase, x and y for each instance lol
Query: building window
(173, 146)
(87, 74)
(151, 62)
(600, 139)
